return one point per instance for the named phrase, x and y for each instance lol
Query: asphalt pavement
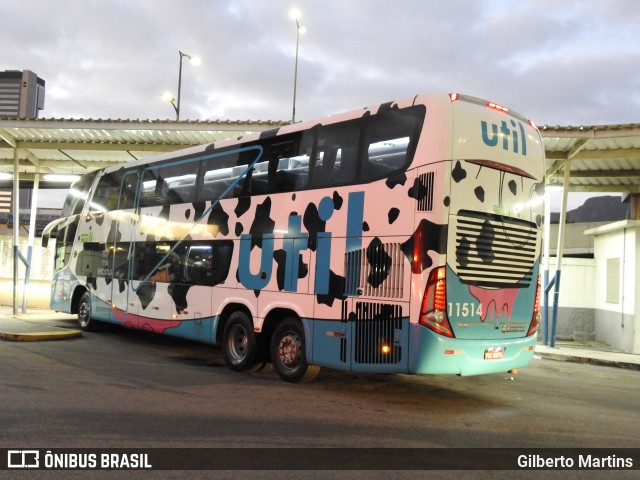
(47, 325)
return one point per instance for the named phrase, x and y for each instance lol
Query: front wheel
(288, 353)
(85, 321)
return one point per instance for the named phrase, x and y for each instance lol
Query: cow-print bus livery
(398, 238)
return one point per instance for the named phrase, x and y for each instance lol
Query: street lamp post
(295, 15)
(168, 97)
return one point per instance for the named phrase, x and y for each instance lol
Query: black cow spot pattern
(220, 218)
(393, 215)
(379, 261)
(428, 236)
(458, 173)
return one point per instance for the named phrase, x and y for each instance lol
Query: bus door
(124, 310)
(154, 272)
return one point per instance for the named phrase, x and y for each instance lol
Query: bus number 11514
(465, 309)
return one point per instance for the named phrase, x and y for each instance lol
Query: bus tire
(288, 352)
(240, 344)
(86, 323)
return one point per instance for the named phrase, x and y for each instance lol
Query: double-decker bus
(400, 238)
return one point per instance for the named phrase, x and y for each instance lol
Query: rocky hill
(596, 209)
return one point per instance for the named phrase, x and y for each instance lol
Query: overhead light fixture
(60, 178)
(5, 176)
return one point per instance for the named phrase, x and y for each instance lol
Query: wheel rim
(290, 350)
(83, 314)
(237, 343)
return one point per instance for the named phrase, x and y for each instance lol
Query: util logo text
(513, 137)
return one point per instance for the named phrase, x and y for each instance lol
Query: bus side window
(291, 164)
(107, 193)
(220, 176)
(390, 141)
(78, 193)
(155, 262)
(258, 178)
(207, 263)
(64, 243)
(177, 183)
(149, 187)
(336, 156)
(129, 188)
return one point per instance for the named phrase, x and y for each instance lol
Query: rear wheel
(85, 321)
(240, 345)
(288, 353)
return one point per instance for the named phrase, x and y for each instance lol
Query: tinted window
(178, 182)
(169, 183)
(221, 174)
(107, 193)
(78, 193)
(390, 142)
(290, 161)
(129, 188)
(64, 243)
(191, 262)
(336, 155)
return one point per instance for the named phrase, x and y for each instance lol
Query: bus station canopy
(75, 147)
(603, 158)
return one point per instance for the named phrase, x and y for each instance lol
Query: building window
(613, 280)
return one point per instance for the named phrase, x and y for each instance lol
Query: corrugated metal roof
(81, 145)
(601, 158)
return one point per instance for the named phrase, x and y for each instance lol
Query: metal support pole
(179, 85)
(561, 229)
(545, 270)
(16, 228)
(32, 232)
(295, 74)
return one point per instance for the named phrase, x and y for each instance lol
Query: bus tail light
(535, 319)
(433, 313)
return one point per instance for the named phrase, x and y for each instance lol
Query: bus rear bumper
(436, 354)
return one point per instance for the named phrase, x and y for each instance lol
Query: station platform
(45, 325)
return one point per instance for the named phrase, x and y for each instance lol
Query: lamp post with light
(168, 97)
(295, 15)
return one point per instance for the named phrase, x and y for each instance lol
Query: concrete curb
(591, 360)
(39, 336)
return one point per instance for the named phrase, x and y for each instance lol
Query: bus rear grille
(377, 333)
(495, 251)
(377, 271)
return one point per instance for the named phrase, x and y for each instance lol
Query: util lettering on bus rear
(294, 241)
(512, 134)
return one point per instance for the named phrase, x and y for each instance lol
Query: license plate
(494, 353)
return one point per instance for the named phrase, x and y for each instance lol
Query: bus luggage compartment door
(380, 338)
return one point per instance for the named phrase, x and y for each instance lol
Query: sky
(569, 62)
